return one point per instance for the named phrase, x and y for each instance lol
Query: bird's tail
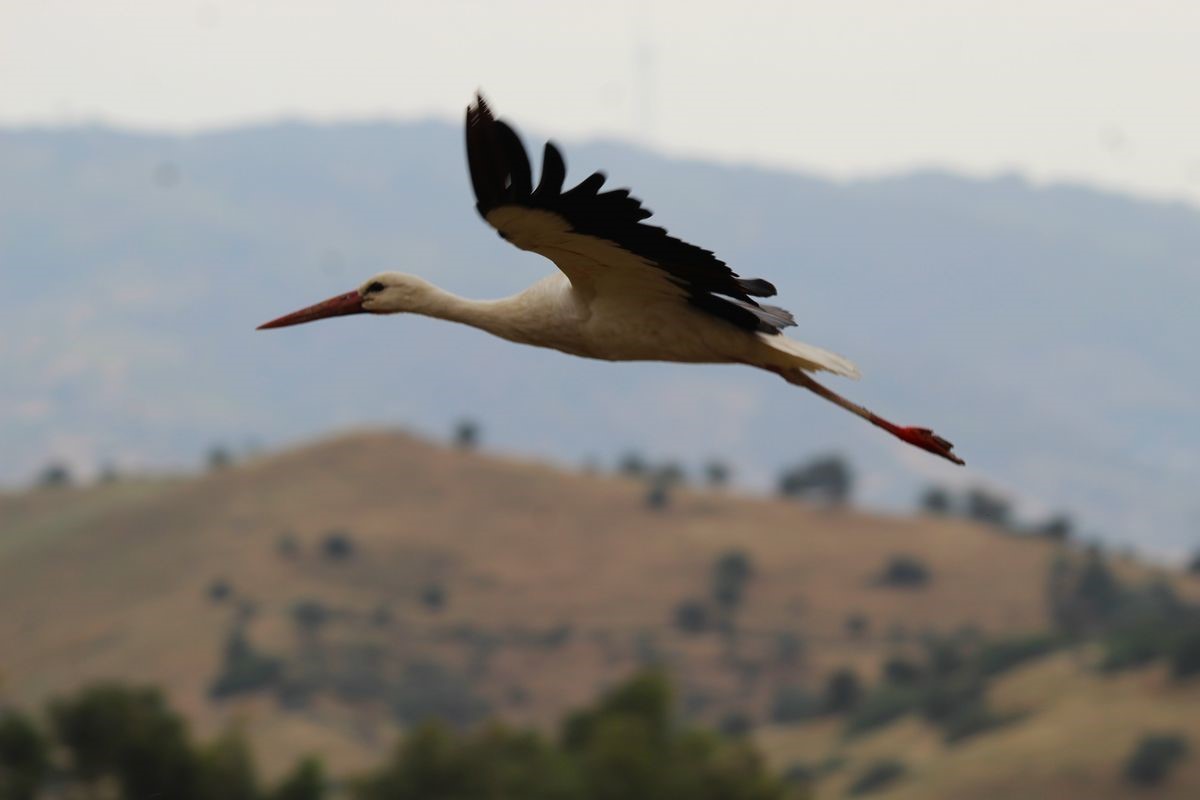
(797, 355)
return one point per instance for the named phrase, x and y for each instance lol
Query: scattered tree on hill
(903, 572)
(935, 500)
(1058, 528)
(987, 507)
(829, 477)
(731, 573)
(632, 465)
(717, 474)
(55, 476)
(466, 434)
(1194, 564)
(218, 458)
(1154, 757)
(658, 494)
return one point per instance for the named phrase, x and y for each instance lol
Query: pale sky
(1096, 91)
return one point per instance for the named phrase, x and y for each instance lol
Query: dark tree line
(628, 744)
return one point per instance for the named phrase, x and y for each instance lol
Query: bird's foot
(929, 441)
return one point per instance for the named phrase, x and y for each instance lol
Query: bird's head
(385, 293)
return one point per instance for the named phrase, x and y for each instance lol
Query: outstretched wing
(598, 239)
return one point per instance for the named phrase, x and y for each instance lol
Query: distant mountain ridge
(1047, 331)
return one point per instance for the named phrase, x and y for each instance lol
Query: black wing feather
(501, 175)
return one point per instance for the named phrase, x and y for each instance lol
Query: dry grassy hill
(552, 586)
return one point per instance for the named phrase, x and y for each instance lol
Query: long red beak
(340, 306)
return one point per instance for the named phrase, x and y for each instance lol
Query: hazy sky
(1100, 91)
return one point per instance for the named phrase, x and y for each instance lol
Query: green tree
(305, 782)
(226, 769)
(24, 757)
(129, 735)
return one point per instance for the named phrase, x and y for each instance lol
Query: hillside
(1041, 328)
(527, 587)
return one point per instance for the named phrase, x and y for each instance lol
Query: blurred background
(224, 552)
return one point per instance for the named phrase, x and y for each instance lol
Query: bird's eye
(374, 286)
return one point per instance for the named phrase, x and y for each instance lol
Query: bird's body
(625, 290)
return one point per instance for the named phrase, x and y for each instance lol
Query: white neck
(498, 317)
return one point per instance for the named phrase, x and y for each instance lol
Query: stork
(625, 290)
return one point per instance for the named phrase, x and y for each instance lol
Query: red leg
(918, 437)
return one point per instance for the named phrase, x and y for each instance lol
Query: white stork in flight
(626, 291)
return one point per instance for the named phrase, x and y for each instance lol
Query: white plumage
(626, 291)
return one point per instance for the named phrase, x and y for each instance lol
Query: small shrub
(856, 625)
(735, 724)
(309, 615)
(433, 597)
(904, 572)
(219, 590)
(789, 649)
(244, 669)
(971, 721)
(901, 672)
(880, 708)
(429, 690)
(793, 704)
(1000, 656)
(877, 777)
(842, 692)
(1136, 646)
(337, 546)
(288, 546)
(730, 573)
(692, 617)
(945, 699)
(1153, 758)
